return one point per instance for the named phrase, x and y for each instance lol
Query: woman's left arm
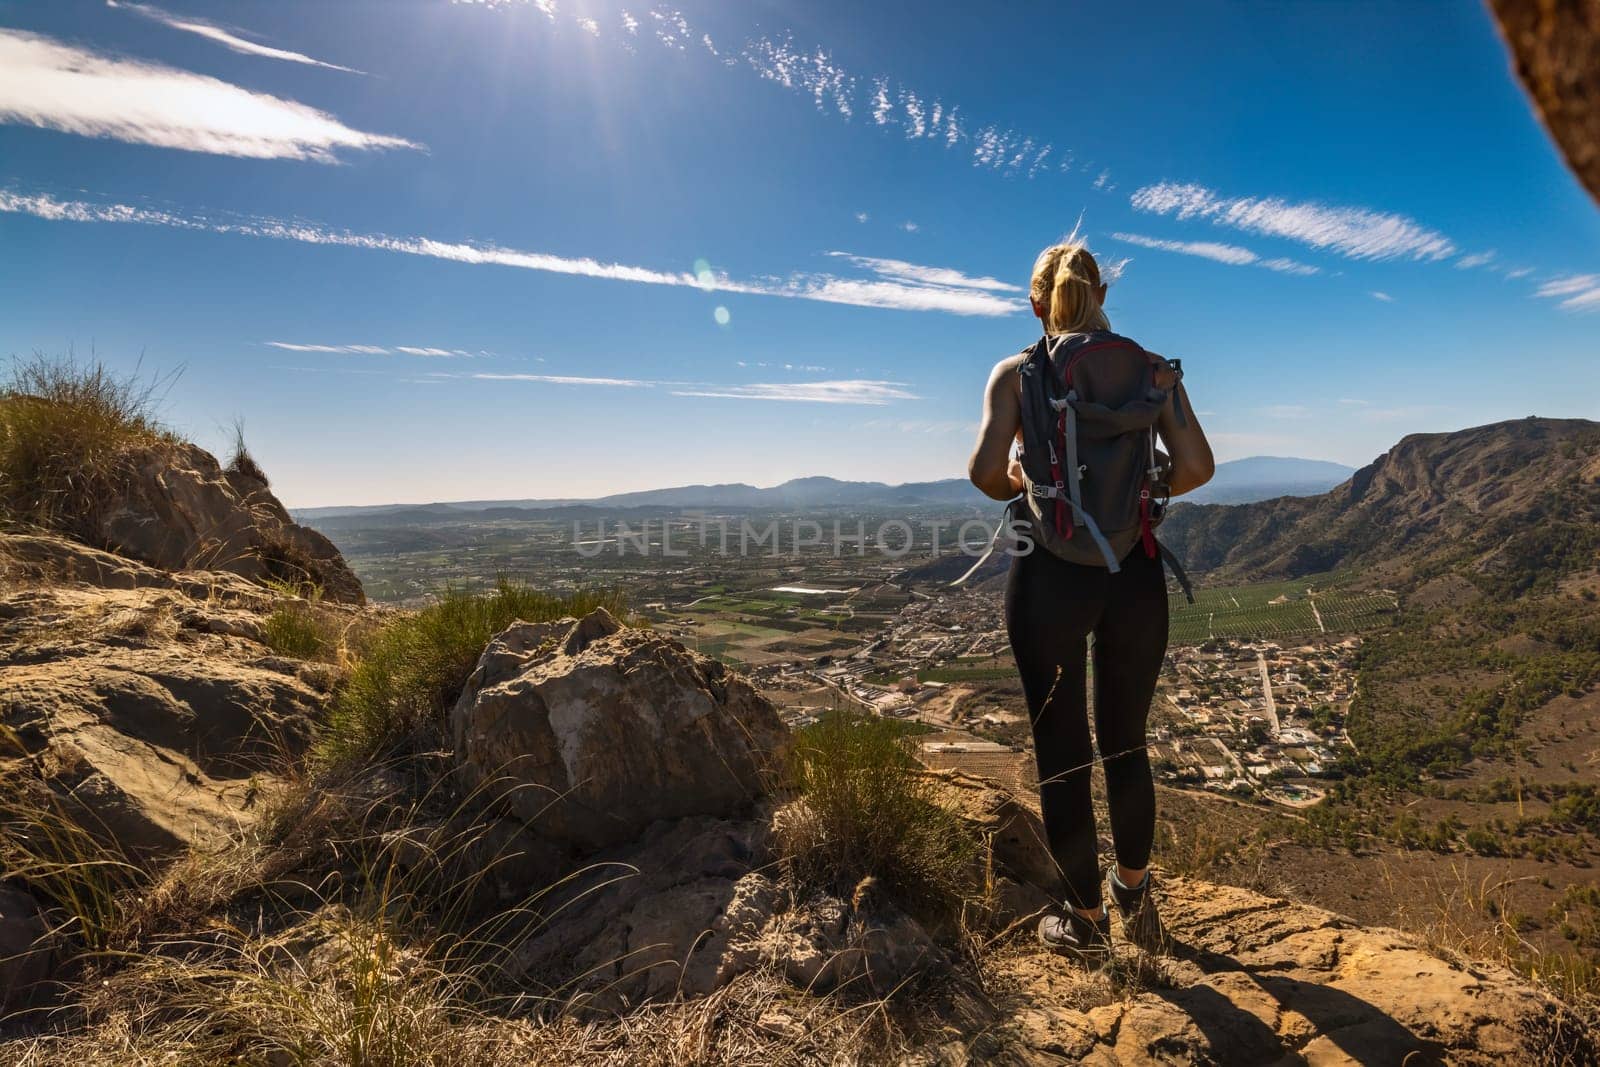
(1192, 463)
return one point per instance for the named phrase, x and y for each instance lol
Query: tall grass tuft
(80, 877)
(408, 673)
(868, 809)
(66, 429)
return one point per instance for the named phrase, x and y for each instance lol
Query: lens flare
(703, 276)
(722, 316)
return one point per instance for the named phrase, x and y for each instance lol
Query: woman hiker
(1086, 406)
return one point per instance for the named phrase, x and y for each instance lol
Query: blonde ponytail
(1065, 283)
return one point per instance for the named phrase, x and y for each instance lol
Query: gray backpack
(1096, 485)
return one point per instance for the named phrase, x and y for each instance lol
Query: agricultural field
(1316, 604)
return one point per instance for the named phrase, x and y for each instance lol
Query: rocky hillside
(1499, 497)
(574, 838)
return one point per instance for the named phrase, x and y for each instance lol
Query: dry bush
(66, 432)
(866, 809)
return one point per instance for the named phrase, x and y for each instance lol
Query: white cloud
(224, 37)
(1385, 297)
(813, 73)
(448, 352)
(869, 292)
(1289, 266)
(862, 216)
(589, 26)
(1358, 233)
(1222, 253)
(1577, 292)
(909, 226)
(630, 24)
(358, 350)
(1233, 255)
(55, 86)
(900, 270)
(1477, 259)
(1519, 272)
(855, 391)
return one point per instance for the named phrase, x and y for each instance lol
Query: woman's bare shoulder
(1007, 368)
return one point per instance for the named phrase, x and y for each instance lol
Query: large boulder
(177, 509)
(590, 731)
(694, 904)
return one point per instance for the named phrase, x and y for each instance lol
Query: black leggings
(1051, 607)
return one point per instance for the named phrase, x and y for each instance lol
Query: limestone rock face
(178, 510)
(591, 736)
(147, 704)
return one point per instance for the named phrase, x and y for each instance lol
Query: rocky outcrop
(590, 731)
(148, 705)
(1255, 979)
(694, 904)
(1555, 45)
(175, 508)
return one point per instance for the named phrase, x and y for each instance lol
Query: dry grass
(66, 431)
(411, 670)
(1470, 919)
(80, 878)
(866, 809)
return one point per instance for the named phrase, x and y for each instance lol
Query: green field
(1303, 607)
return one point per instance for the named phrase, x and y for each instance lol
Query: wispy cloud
(856, 391)
(1576, 292)
(812, 71)
(56, 86)
(1477, 259)
(1359, 233)
(920, 275)
(881, 291)
(344, 350)
(1233, 255)
(369, 350)
(223, 37)
(1380, 295)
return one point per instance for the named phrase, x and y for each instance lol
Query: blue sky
(431, 250)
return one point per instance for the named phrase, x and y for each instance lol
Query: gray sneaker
(1141, 923)
(1086, 940)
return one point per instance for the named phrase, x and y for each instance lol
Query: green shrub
(867, 808)
(409, 672)
(66, 429)
(294, 630)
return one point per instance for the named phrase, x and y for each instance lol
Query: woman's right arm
(991, 467)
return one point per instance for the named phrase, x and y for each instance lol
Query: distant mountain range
(1237, 481)
(1520, 499)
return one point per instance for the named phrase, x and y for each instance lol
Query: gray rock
(590, 747)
